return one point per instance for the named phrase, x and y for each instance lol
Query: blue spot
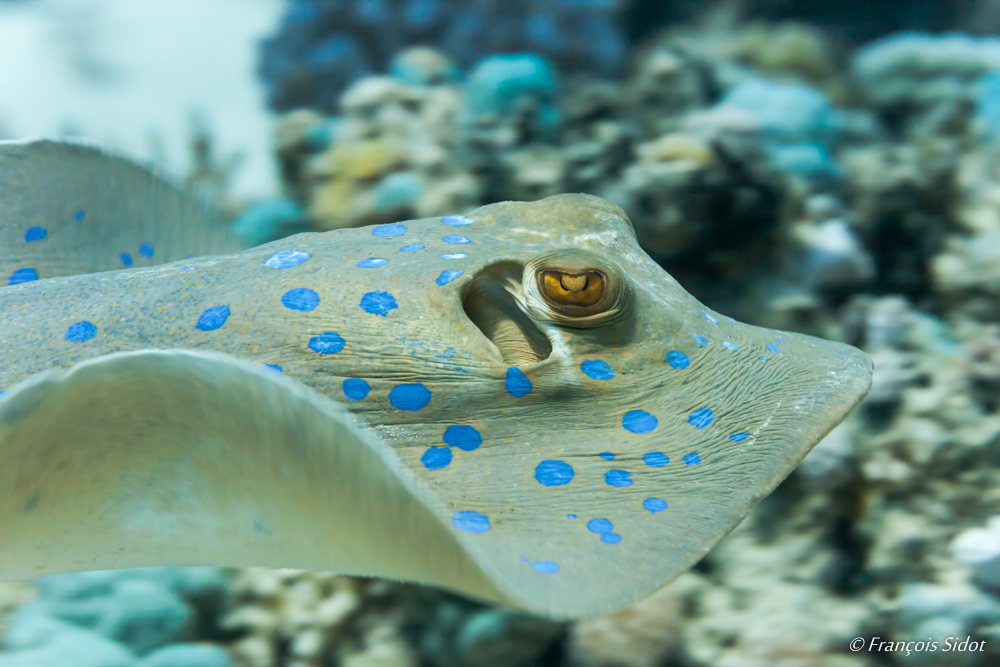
(126, 259)
(639, 421)
(448, 275)
(409, 397)
(570, 516)
(732, 320)
(773, 348)
(607, 456)
(378, 303)
(300, 298)
(618, 478)
(286, 259)
(611, 538)
(692, 459)
(2, 393)
(701, 417)
(698, 338)
(709, 317)
(454, 255)
(413, 247)
(355, 389)
(597, 370)
(517, 383)
(524, 559)
(656, 459)
(554, 473)
(730, 346)
(22, 275)
(455, 239)
(394, 229)
(35, 234)
(678, 359)
(372, 263)
(213, 318)
(326, 343)
(739, 437)
(781, 340)
(80, 331)
(436, 458)
(545, 567)
(762, 357)
(654, 505)
(456, 220)
(465, 438)
(600, 526)
(274, 368)
(470, 522)
(80, 215)
(146, 249)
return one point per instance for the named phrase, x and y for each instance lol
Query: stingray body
(516, 403)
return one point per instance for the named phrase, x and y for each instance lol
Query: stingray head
(599, 429)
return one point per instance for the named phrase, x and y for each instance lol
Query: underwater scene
(499, 333)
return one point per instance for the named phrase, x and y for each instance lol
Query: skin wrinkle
(427, 367)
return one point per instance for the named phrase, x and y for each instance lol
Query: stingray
(515, 403)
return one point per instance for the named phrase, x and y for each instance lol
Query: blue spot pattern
(300, 298)
(79, 332)
(762, 357)
(456, 220)
(436, 458)
(597, 369)
(455, 239)
(454, 255)
(545, 567)
(378, 303)
(126, 259)
(692, 459)
(570, 516)
(730, 346)
(517, 383)
(781, 340)
(22, 275)
(372, 263)
(413, 247)
(213, 318)
(607, 456)
(773, 348)
(656, 459)
(355, 389)
(410, 397)
(274, 368)
(35, 234)
(464, 437)
(654, 505)
(605, 529)
(79, 215)
(701, 417)
(327, 343)
(639, 421)
(146, 249)
(470, 522)
(709, 317)
(618, 478)
(448, 275)
(286, 259)
(394, 229)
(739, 437)
(732, 320)
(698, 338)
(554, 473)
(678, 360)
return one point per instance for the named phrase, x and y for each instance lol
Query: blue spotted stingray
(545, 420)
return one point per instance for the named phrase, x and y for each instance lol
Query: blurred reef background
(827, 168)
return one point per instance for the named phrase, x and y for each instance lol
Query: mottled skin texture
(784, 398)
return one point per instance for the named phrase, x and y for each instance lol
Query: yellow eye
(582, 289)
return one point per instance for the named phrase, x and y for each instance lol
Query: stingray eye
(577, 288)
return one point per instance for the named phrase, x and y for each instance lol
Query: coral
(323, 46)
